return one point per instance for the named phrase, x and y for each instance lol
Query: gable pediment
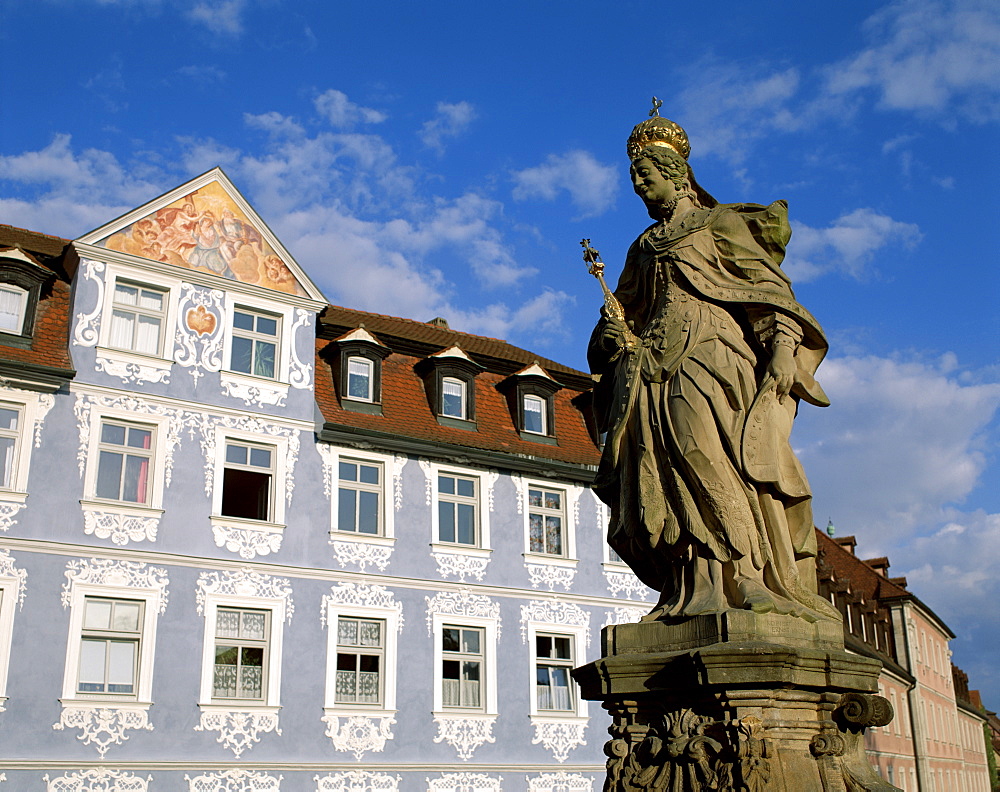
(207, 226)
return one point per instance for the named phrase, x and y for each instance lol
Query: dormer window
(451, 387)
(357, 371)
(13, 302)
(21, 281)
(531, 397)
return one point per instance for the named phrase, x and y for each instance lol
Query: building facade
(255, 542)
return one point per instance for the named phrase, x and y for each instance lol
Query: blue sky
(445, 158)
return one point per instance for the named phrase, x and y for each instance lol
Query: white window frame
(283, 353)
(272, 695)
(390, 618)
(488, 678)
(28, 407)
(484, 548)
(543, 410)
(171, 290)
(388, 536)
(578, 641)
(144, 682)
(465, 398)
(568, 556)
(474, 501)
(279, 450)
(383, 512)
(160, 425)
(11, 593)
(22, 309)
(367, 361)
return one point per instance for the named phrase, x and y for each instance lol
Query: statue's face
(651, 185)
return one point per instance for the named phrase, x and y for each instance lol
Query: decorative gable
(207, 226)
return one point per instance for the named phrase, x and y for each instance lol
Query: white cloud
(900, 448)
(219, 16)
(450, 121)
(592, 187)
(847, 246)
(335, 107)
(274, 124)
(206, 75)
(932, 56)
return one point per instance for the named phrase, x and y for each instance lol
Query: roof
(49, 344)
(407, 412)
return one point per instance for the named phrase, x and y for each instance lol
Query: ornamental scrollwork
(461, 565)
(108, 572)
(625, 584)
(98, 779)
(235, 780)
(8, 514)
(559, 736)
(9, 570)
(361, 595)
(464, 782)
(238, 729)
(299, 371)
(357, 781)
(561, 782)
(461, 603)
(465, 733)
(119, 527)
(623, 614)
(247, 542)
(88, 325)
(128, 370)
(245, 582)
(102, 726)
(361, 554)
(359, 734)
(199, 330)
(550, 576)
(555, 613)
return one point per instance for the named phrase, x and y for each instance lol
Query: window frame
(214, 601)
(359, 344)
(27, 410)
(22, 271)
(464, 401)
(106, 447)
(249, 467)
(484, 547)
(568, 545)
(139, 311)
(386, 501)
(358, 651)
(24, 296)
(456, 499)
(169, 287)
(279, 449)
(110, 635)
(578, 644)
(542, 414)
(488, 677)
(390, 618)
(369, 376)
(283, 348)
(11, 600)
(240, 644)
(79, 593)
(451, 363)
(256, 337)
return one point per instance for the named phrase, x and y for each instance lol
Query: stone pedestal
(736, 701)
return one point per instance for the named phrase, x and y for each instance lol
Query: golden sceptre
(614, 308)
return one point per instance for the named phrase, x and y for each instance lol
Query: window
(553, 661)
(360, 661)
(254, 343)
(241, 654)
(10, 430)
(124, 457)
(137, 318)
(13, 305)
(458, 509)
(109, 648)
(535, 415)
(247, 481)
(546, 518)
(360, 379)
(453, 398)
(359, 505)
(462, 667)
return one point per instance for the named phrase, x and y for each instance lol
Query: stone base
(739, 713)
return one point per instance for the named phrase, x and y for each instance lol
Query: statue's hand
(782, 368)
(614, 334)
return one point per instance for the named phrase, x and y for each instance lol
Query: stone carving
(362, 554)
(86, 403)
(248, 542)
(560, 782)
(465, 733)
(8, 514)
(256, 392)
(208, 424)
(555, 613)
(624, 615)
(88, 326)
(687, 752)
(8, 570)
(704, 355)
(238, 729)
(98, 779)
(357, 781)
(235, 780)
(361, 595)
(121, 574)
(300, 372)
(521, 485)
(839, 748)
(46, 401)
(428, 469)
(102, 726)
(624, 584)
(464, 782)
(550, 575)
(558, 736)
(461, 603)
(119, 526)
(359, 734)
(200, 333)
(461, 565)
(398, 462)
(128, 370)
(245, 582)
(489, 479)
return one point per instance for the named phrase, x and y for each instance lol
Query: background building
(251, 541)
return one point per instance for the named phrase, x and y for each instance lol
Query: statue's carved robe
(708, 503)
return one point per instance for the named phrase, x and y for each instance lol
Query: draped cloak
(697, 467)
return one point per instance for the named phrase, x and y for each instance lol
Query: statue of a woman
(698, 389)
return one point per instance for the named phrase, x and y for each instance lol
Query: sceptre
(614, 308)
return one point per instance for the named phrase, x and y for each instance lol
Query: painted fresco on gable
(206, 231)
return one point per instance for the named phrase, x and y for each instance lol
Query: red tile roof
(847, 566)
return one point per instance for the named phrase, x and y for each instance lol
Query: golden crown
(657, 131)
